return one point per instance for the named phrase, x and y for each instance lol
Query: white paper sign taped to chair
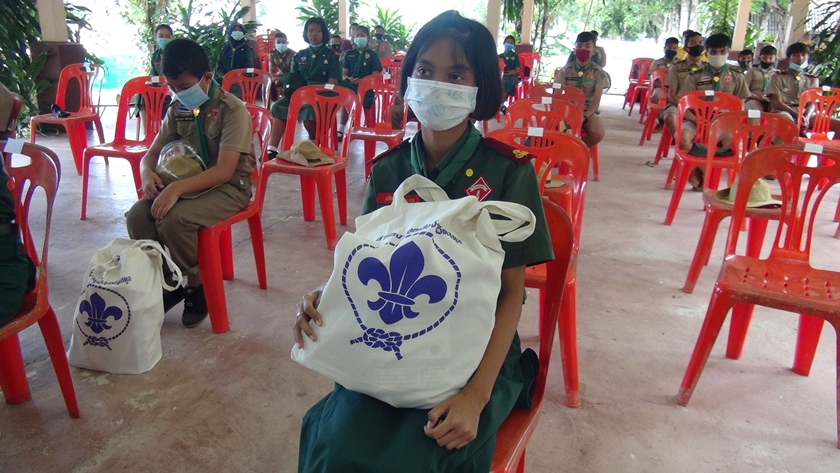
(14, 146)
(813, 148)
(156, 80)
(249, 70)
(386, 76)
(753, 113)
(556, 85)
(535, 131)
(329, 86)
(546, 100)
(709, 93)
(826, 88)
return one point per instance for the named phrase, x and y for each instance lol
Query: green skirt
(509, 84)
(280, 109)
(17, 277)
(348, 431)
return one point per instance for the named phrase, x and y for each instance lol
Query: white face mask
(717, 60)
(440, 105)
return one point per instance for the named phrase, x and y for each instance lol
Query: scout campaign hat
(306, 153)
(759, 195)
(179, 160)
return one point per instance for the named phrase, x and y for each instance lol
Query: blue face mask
(796, 67)
(281, 47)
(194, 97)
(237, 35)
(162, 42)
(508, 47)
(361, 42)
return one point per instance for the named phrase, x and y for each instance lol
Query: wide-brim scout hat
(306, 153)
(178, 161)
(759, 195)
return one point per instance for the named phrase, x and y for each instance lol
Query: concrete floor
(234, 402)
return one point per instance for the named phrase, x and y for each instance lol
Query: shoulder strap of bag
(514, 227)
(154, 251)
(425, 188)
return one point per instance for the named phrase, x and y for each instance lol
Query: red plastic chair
(255, 84)
(374, 123)
(533, 113)
(746, 137)
(44, 171)
(651, 110)
(215, 246)
(528, 62)
(516, 430)
(154, 97)
(638, 81)
(393, 65)
(705, 109)
(564, 92)
(825, 104)
(785, 280)
(573, 157)
(326, 104)
(75, 123)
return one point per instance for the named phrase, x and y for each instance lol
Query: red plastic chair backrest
(802, 190)
(261, 126)
(533, 113)
(527, 63)
(564, 92)
(154, 96)
(384, 94)
(393, 65)
(80, 74)
(660, 75)
(639, 67)
(705, 108)
(326, 103)
(825, 105)
(771, 129)
(251, 83)
(14, 113)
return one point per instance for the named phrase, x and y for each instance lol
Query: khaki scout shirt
(728, 79)
(678, 72)
(758, 79)
(227, 127)
(471, 167)
(785, 85)
(589, 78)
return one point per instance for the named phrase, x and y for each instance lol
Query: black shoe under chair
(173, 298)
(195, 307)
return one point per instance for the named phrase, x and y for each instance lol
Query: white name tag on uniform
(535, 131)
(753, 113)
(386, 76)
(813, 148)
(709, 93)
(546, 100)
(249, 70)
(329, 86)
(14, 146)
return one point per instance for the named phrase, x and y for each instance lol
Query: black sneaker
(195, 307)
(173, 298)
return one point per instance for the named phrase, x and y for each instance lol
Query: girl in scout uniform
(510, 79)
(358, 63)
(758, 79)
(317, 65)
(237, 53)
(348, 431)
(163, 35)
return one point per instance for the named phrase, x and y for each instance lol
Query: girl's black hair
(325, 32)
(509, 37)
(164, 26)
(236, 26)
(478, 47)
(363, 29)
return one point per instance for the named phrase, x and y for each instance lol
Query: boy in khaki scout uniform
(664, 62)
(217, 124)
(758, 79)
(786, 86)
(589, 77)
(678, 72)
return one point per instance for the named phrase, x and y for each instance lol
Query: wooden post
(527, 20)
(343, 19)
(741, 26)
(494, 17)
(53, 19)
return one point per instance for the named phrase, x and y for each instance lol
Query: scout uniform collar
(199, 125)
(694, 65)
(716, 75)
(765, 73)
(314, 55)
(580, 72)
(451, 164)
(797, 76)
(359, 59)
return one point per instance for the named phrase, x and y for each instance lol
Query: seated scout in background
(677, 74)
(588, 76)
(665, 62)
(787, 85)
(745, 59)
(358, 63)
(217, 124)
(758, 79)
(510, 77)
(715, 75)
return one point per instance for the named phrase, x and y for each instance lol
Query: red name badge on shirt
(385, 198)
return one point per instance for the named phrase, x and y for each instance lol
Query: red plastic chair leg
(12, 372)
(714, 178)
(738, 327)
(226, 250)
(138, 179)
(567, 325)
(97, 123)
(715, 315)
(210, 264)
(55, 347)
(307, 196)
(756, 230)
(837, 212)
(664, 145)
(679, 188)
(596, 168)
(77, 139)
(255, 226)
(704, 248)
(647, 130)
(370, 153)
(520, 468)
(325, 200)
(341, 195)
(807, 339)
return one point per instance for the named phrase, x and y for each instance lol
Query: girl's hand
(306, 311)
(454, 422)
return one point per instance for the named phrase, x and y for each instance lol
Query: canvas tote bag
(410, 305)
(120, 311)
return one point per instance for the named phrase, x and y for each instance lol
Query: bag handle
(425, 188)
(154, 251)
(513, 229)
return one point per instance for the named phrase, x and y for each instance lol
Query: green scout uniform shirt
(728, 79)
(317, 67)
(7, 202)
(758, 79)
(227, 127)
(785, 85)
(511, 60)
(679, 71)
(361, 63)
(157, 69)
(589, 78)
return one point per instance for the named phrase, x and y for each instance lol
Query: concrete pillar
(344, 18)
(53, 20)
(796, 26)
(494, 18)
(741, 26)
(527, 20)
(252, 10)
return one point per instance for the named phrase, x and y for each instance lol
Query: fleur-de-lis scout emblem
(580, 73)
(98, 313)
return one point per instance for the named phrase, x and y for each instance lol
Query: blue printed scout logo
(99, 322)
(397, 295)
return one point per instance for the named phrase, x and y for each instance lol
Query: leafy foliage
(396, 31)
(77, 20)
(825, 50)
(146, 14)
(624, 19)
(18, 27)
(328, 10)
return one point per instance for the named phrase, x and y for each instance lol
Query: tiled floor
(234, 402)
